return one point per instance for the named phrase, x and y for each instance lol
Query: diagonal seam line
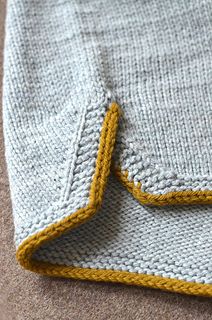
(31, 244)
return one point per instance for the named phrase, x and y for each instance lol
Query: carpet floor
(27, 296)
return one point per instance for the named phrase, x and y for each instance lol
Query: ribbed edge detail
(170, 198)
(31, 244)
(102, 170)
(129, 278)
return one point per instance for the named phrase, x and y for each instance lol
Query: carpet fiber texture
(65, 118)
(21, 292)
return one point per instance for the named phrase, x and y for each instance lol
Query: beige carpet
(24, 295)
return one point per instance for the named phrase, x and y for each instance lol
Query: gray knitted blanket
(94, 199)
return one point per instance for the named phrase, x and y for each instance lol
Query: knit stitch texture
(67, 67)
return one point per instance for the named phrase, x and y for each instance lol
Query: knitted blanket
(107, 125)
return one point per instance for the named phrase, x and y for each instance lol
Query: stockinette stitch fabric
(72, 71)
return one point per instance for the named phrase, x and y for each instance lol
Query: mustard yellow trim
(107, 140)
(170, 198)
(31, 244)
(128, 278)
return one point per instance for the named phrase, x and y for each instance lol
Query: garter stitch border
(31, 244)
(107, 139)
(170, 198)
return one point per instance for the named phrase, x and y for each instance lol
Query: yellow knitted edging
(170, 198)
(124, 277)
(107, 140)
(32, 243)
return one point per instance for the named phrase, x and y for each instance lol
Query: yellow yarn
(32, 243)
(107, 139)
(170, 198)
(128, 278)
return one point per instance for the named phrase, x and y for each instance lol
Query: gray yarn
(172, 243)
(64, 64)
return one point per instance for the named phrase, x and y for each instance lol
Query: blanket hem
(186, 197)
(27, 248)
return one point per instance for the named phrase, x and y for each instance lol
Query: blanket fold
(102, 92)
